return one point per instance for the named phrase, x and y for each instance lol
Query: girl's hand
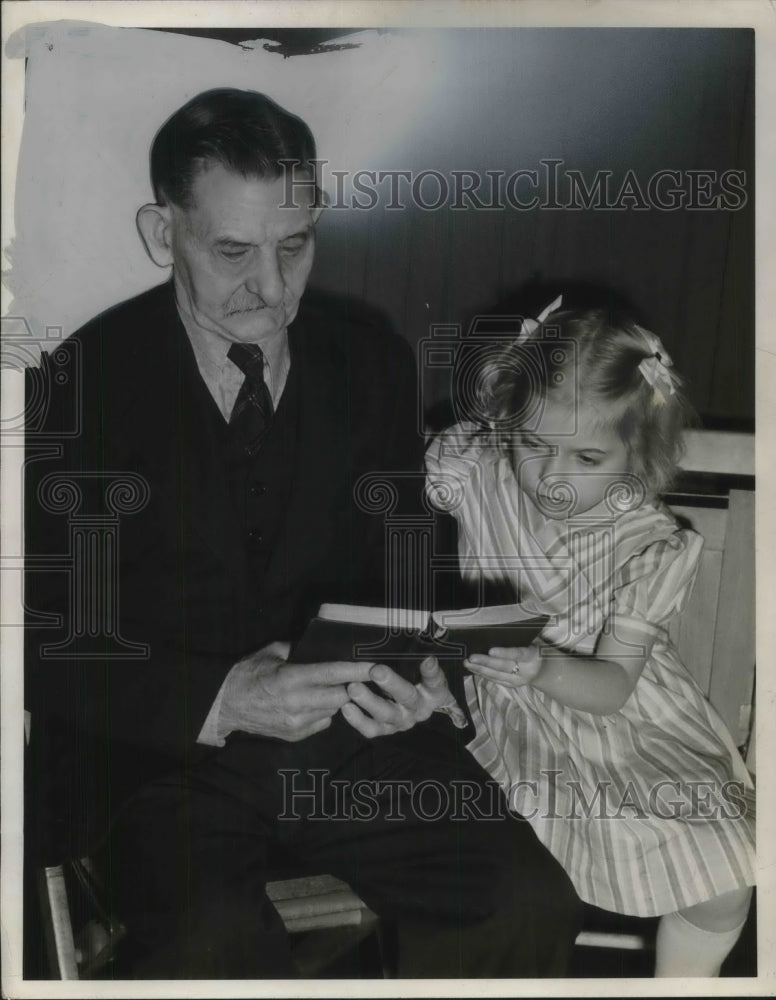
(511, 666)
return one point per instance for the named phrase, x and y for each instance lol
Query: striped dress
(649, 809)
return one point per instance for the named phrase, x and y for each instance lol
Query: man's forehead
(223, 200)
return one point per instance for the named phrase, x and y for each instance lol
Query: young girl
(598, 734)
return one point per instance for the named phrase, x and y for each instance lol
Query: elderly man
(248, 418)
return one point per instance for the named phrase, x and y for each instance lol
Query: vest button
(255, 535)
(258, 490)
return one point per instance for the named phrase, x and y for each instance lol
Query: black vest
(260, 488)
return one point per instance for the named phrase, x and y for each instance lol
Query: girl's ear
(154, 223)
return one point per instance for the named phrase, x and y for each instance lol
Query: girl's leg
(696, 941)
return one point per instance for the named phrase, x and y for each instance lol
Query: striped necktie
(252, 413)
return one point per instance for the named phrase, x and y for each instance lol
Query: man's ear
(322, 200)
(154, 223)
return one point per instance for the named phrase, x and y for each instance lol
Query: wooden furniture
(715, 634)
(85, 953)
(315, 903)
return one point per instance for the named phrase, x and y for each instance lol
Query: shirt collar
(211, 349)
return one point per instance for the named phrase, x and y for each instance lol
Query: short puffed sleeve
(654, 584)
(452, 459)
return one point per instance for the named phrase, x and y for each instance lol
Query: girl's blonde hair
(586, 358)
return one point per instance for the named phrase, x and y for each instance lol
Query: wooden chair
(313, 903)
(323, 903)
(715, 635)
(86, 953)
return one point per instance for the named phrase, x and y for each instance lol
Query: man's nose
(266, 280)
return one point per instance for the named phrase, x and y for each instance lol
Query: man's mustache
(245, 306)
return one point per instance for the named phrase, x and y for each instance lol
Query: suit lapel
(180, 434)
(208, 507)
(322, 454)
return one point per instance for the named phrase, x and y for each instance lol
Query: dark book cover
(402, 639)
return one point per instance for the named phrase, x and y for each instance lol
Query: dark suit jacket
(132, 376)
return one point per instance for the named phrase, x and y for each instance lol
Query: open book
(401, 638)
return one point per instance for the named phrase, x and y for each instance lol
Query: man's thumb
(432, 674)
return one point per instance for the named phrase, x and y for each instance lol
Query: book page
(400, 619)
(498, 614)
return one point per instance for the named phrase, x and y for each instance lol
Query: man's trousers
(410, 821)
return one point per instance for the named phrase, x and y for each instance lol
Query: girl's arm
(600, 684)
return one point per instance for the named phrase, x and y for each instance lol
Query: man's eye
(292, 247)
(236, 254)
(588, 460)
(532, 443)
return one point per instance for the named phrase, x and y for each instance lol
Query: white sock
(686, 950)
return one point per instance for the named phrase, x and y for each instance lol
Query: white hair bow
(530, 325)
(654, 370)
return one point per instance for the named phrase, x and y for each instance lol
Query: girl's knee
(721, 913)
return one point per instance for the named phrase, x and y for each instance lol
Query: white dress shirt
(222, 376)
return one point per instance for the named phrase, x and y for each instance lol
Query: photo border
(758, 14)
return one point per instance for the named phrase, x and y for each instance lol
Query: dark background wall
(641, 100)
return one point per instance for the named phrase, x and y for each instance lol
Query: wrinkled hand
(407, 704)
(512, 666)
(266, 696)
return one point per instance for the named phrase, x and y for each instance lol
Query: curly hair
(589, 358)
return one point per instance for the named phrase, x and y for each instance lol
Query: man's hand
(407, 705)
(266, 696)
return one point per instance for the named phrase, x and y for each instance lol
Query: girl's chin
(562, 512)
(551, 508)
